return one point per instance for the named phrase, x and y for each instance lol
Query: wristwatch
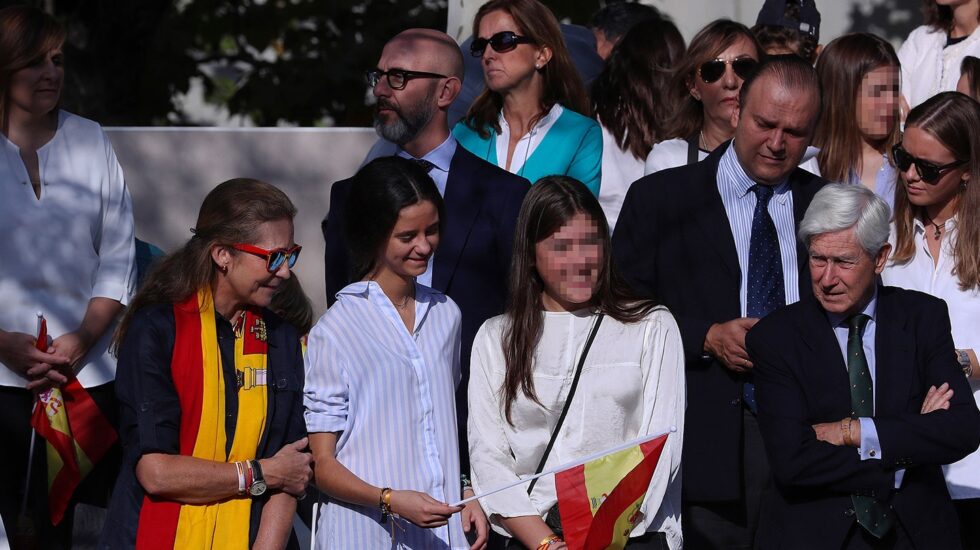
(258, 486)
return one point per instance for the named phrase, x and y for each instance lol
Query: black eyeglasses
(711, 71)
(928, 172)
(397, 78)
(501, 42)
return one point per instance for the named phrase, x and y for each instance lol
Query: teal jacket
(572, 147)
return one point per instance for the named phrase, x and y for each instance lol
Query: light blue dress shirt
(440, 157)
(733, 186)
(390, 395)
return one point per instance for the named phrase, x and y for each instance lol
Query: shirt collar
(440, 157)
(545, 121)
(742, 182)
(870, 309)
(371, 290)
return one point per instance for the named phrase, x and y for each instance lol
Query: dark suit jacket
(801, 379)
(472, 262)
(673, 242)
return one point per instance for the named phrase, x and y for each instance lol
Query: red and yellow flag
(77, 436)
(599, 501)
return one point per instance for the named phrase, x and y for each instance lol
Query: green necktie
(872, 514)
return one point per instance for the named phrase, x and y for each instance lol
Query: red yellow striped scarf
(197, 375)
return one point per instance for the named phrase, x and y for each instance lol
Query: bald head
(431, 51)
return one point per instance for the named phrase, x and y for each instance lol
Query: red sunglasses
(273, 258)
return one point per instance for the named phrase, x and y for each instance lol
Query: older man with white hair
(860, 396)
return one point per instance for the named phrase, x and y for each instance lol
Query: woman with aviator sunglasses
(210, 384)
(936, 247)
(532, 117)
(704, 94)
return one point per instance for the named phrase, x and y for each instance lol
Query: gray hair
(837, 207)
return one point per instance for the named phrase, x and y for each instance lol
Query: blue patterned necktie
(765, 285)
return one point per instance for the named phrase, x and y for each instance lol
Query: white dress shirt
(632, 384)
(924, 274)
(73, 244)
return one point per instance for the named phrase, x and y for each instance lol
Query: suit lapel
(834, 385)
(713, 220)
(893, 356)
(463, 202)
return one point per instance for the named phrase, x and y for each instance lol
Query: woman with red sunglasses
(704, 93)
(210, 385)
(936, 248)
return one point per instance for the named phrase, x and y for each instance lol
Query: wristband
(549, 541)
(241, 478)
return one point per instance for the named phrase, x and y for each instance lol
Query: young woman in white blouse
(68, 252)
(381, 372)
(632, 380)
(936, 243)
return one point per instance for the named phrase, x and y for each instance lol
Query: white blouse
(923, 274)
(73, 244)
(619, 170)
(632, 384)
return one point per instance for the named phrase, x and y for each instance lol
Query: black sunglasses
(928, 172)
(711, 71)
(397, 78)
(501, 42)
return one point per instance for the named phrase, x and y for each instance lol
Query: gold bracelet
(546, 542)
(384, 502)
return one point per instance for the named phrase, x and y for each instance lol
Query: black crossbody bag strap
(568, 401)
(693, 149)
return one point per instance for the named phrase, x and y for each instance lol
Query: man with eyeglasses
(715, 242)
(418, 76)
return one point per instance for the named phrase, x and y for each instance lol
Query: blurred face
(507, 71)
(946, 190)
(843, 274)
(246, 278)
(773, 130)
(413, 240)
(877, 103)
(401, 115)
(569, 262)
(720, 97)
(36, 89)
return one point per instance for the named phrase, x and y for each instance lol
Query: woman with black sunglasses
(210, 385)
(936, 243)
(532, 119)
(704, 93)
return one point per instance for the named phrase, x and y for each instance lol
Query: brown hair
(562, 83)
(706, 45)
(549, 205)
(231, 213)
(628, 97)
(841, 67)
(27, 34)
(954, 120)
(970, 66)
(938, 17)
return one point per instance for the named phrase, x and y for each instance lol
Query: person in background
(630, 106)
(932, 53)
(612, 21)
(704, 93)
(210, 383)
(292, 304)
(969, 82)
(859, 122)
(789, 27)
(68, 252)
(563, 285)
(381, 373)
(936, 248)
(532, 118)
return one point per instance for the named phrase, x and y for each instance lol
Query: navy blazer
(472, 262)
(801, 379)
(673, 243)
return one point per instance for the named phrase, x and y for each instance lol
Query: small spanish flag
(78, 435)
(599, 501)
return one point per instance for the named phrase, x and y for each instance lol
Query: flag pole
(30, 449)
(567, 465)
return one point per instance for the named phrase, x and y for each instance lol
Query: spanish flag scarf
(198, 377)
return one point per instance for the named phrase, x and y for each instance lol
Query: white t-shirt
(73, 244)
(619, 170)
(923, 274)
(929, 67)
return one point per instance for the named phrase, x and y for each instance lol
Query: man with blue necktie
(715, 242)
(861, 398)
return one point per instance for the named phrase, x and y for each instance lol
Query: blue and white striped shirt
(733, 186)
(391, 394)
